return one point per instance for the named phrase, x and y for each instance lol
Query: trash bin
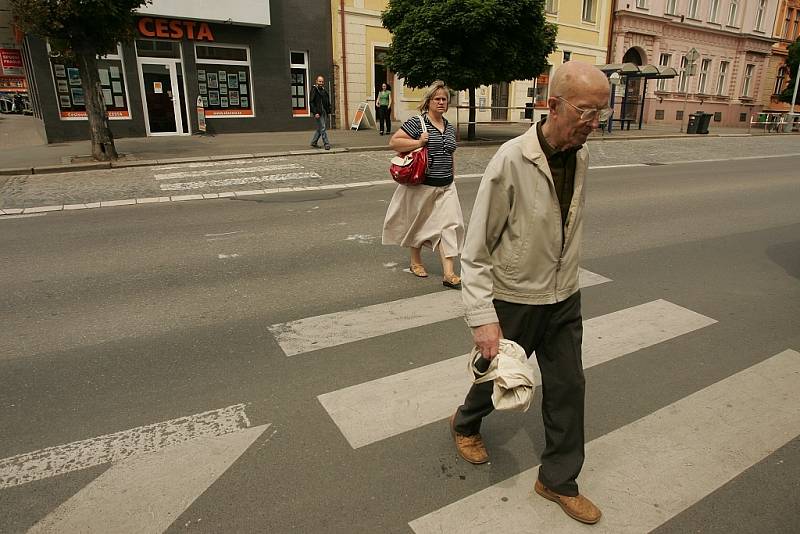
(789, 122)
(703, 121)
(529, 110)
(691, 126)
(794, 119)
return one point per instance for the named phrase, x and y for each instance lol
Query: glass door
(165, 101)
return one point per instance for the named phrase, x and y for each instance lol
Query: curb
(121, 164)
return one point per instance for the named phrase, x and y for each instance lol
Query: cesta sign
(175, 29)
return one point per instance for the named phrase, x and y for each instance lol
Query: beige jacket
(513, 249)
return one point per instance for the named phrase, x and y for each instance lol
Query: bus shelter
(632, 79)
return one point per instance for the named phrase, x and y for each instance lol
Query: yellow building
(786, 30)
(360, 43)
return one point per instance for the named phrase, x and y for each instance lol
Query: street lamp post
(689, 70)
(614, 79)
(794, 94)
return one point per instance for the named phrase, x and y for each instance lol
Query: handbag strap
(422, 122)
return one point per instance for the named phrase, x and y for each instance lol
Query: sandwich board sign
(363, 112)
(201, 115)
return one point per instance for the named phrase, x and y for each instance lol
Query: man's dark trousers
(554, 332)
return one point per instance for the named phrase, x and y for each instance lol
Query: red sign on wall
(11, 61)
(174, 29)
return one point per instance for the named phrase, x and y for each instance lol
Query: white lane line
(224, 234)
(740, 158)
(147, 493)
(330, 330)
(617, 166)
(83, 454)
(25, 216)
(220, 172)
(375, 410)
(647, 472)
(183, 186)
(220, 163)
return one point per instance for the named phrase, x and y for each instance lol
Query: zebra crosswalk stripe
(645, 473)
(375, 410)
(330, 330)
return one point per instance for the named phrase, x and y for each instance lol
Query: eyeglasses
(588, 115)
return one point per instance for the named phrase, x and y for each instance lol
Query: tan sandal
(417, 269)
(452, 281)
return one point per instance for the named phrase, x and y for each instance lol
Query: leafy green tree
(793, 60)
(81, 30)
(468, 43)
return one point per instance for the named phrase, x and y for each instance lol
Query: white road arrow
(156, 471)
(147, 493)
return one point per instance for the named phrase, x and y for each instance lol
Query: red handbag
(410, 168)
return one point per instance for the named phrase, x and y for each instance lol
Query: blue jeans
(320, 131)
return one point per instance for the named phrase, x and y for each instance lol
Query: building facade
(12, 68)
(361, 42)
(248, 63)
(733, 39)
(786, 30)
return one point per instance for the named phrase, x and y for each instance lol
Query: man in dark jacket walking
(320, 108)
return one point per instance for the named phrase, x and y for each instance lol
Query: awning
(635, 71)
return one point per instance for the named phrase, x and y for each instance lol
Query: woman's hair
(435, 86)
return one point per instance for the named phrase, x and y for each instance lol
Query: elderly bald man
(520, 276)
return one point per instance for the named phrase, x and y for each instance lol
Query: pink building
(733, 40)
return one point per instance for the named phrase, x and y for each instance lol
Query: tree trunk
(471, 127)
(103, 148)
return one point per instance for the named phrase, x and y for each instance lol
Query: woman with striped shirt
(428, 214)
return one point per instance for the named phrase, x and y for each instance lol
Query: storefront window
(71, 100)
(224, 80)
(163, 49)
(299, 65)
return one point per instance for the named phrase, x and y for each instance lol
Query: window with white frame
(567, 55)
(723, 72)
(671, 7)
(691, 10)
(298, 63)
(683, 77)
(661, 84)
(642, 4)
(702, 80)
(762, 6)
(748, 78)
(733, 9)
(713, 10)
(67, 76)
(588, 13)
(551, 6)
(224, 80)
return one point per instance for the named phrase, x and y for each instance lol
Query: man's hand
(487, 339)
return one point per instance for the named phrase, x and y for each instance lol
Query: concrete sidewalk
(30, 157)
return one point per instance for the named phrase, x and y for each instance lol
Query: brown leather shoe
(578, 508)
(470, 448)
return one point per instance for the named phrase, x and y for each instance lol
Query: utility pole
(796, 83)
(691, 56)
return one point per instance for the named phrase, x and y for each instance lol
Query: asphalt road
(115, 319)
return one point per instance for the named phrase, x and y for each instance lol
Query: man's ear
(552, 104)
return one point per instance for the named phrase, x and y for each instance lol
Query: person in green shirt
(383, 109)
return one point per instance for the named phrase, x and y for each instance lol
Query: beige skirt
(423, 215)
